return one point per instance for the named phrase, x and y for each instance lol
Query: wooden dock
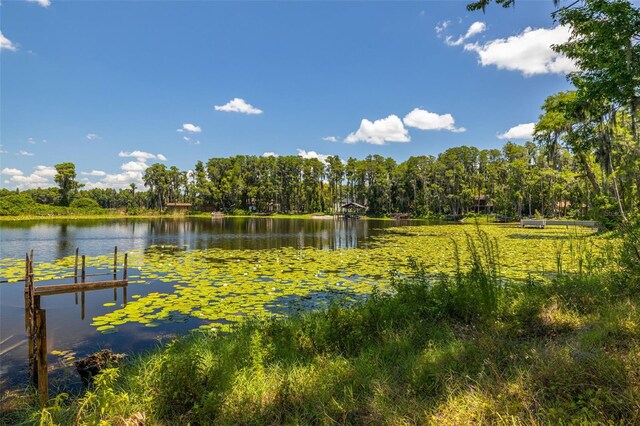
(36, 318)
(542, 223)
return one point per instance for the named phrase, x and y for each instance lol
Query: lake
(210, 273)
(184, 274)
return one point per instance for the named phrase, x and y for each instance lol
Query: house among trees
(178, 207)
(353, 210)
(483, 204)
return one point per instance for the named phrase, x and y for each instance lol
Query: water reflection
(55, 239)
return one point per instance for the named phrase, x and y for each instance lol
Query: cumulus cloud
(529, 52)
(270, 154)
(94, 173)
(41, 177)
(134, 166)
(46, 171)
(312, 154)
(521, 131)
(142, 156)
(5, 43)
(92, 137)
(238, 105)
(25, 153)
(474, 29)
(379, 132)
(191, 128)
(43, 3)
(425, 120)
(330, 138)
(131, 171)
(11, 172)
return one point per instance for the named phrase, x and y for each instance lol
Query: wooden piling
(75, 267)
(124, 272)
(115, 262)
(84, 271)
(34, 337)
(75, 272)
(43, 373)
(26, 293)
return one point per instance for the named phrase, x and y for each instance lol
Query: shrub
(84, 203)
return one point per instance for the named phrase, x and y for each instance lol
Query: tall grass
(464, 349)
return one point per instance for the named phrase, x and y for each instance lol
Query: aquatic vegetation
(222, 286)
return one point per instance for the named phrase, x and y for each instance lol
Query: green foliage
(630, 249)
(84, 203)
(17, 204)
(66, 180)
(103, 402)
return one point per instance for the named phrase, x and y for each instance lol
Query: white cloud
(379, 132)
(475, 29)
(45, 171)
(270, 154)
(142, 156)
(43, 3)
(32, 141)
(529, 52)
(521, 131)
(191, 128)
(425, 120)
(11, 172)
(42, 177)
(94, 173)
(134, 166)
(312, 154)
(25, 153)
(441, 26)
(5, 43)
(330, 138)
(186, 139)
(238, 105)
(119, 180)
(93, 137)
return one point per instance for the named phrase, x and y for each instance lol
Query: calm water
(69, 330)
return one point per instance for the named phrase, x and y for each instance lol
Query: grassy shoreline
(158, 215)
(467, 348)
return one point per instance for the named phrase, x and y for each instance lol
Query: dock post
(84, 271)
(115, 272)
(115, 262)
(124, 271)
(84, 274)
(42, 376)
(75, 273)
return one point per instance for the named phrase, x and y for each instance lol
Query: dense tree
(66, 179)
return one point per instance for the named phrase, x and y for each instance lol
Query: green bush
(16, 204)
(84, 203)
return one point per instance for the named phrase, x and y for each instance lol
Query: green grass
(466, 348)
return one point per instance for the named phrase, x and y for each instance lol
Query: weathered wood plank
(72, 288)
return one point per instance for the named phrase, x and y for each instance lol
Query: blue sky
(114, 86)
